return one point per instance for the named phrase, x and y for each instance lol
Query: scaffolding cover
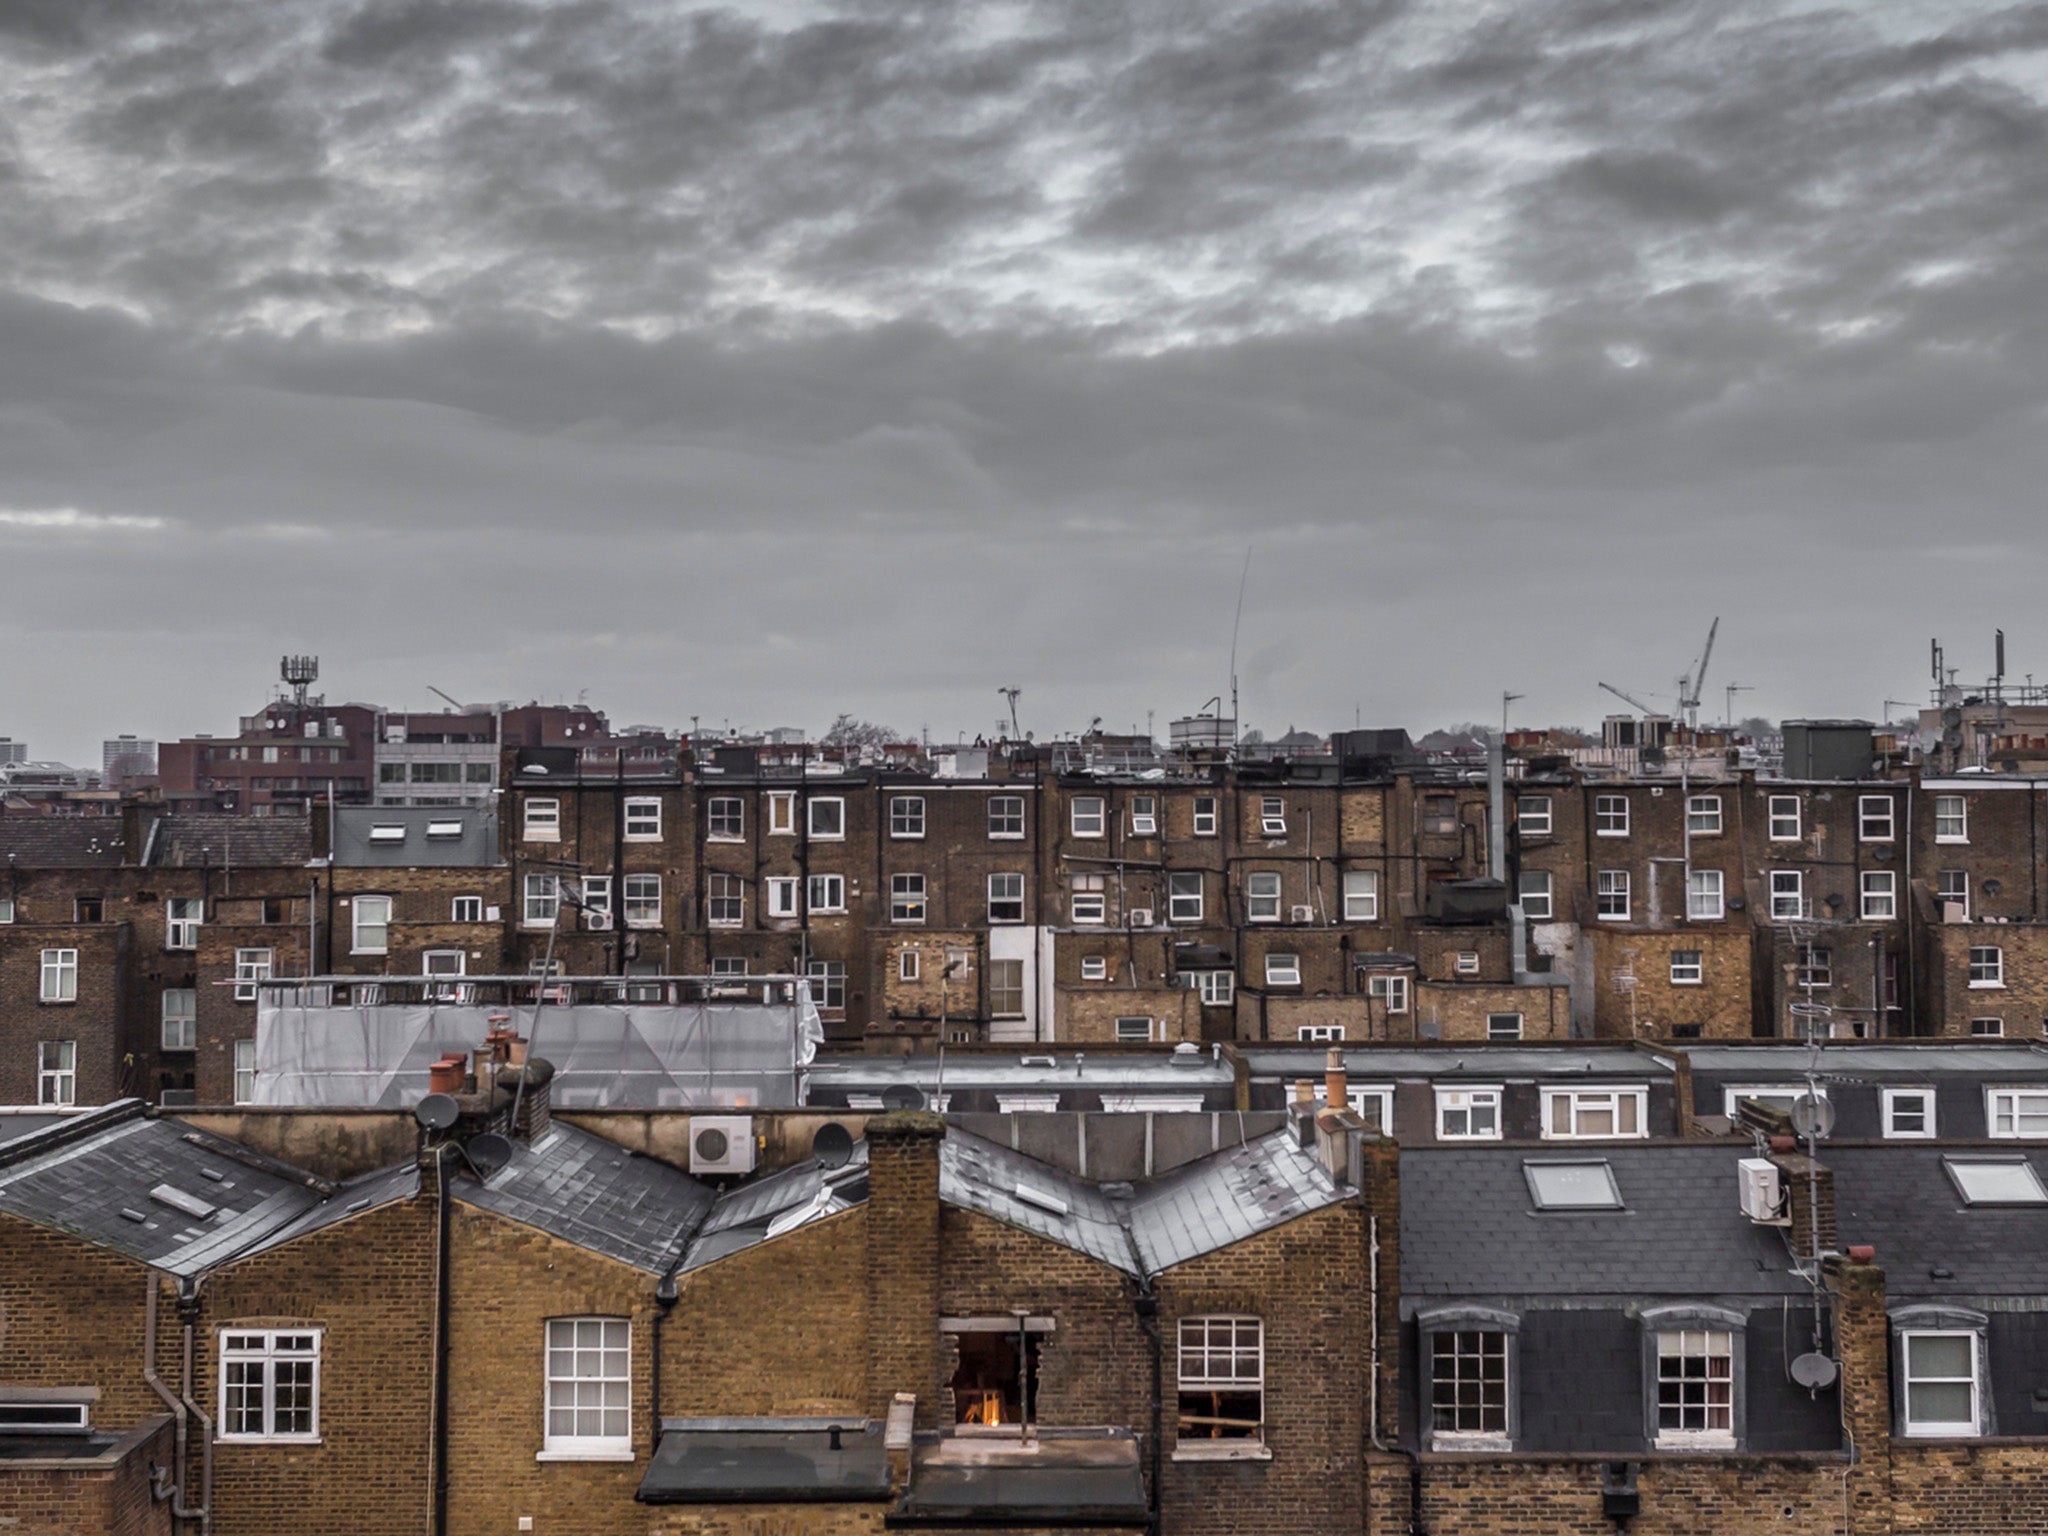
(689, 1055)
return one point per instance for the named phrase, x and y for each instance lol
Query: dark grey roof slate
(474, 846)
(590, 1192)
(64, 842)
(741, 1461)
(385, 1186)
(1469, 1227)
(194, 838)
(1482, 1062)
(979, 1175)
(744, 1215)
(1901, 1201)
(1875, 1060)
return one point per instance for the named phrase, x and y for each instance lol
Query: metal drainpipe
(437, 1450)
(1147, 1307)
(188, 1314)
(179, 1509)
(665, 1297)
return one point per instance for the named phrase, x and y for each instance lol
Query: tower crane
(1694, 682)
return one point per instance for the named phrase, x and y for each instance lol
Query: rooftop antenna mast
(1237, 624)
(1011, 695)
(300, 672)
(1505, 700)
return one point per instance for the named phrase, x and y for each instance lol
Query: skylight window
(178, 1200)
(1579, 1186)
(444, 829)
(1044, 1199)
(388, 832)
(1996, 1181)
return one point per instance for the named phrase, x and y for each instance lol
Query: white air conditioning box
(721, 1144)
(1303, 914)
(598, 922)
(1762, 1195)
(1141, 917)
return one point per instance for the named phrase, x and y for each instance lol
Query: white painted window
(1610, 815)
(906, 816)
(1319, 1034)
(180, 1019)
(1089, 819)
(1703, 895)
(1951, 819)
(1696, 1389)
(827, 821)
(1361, 896)
(1788, 895)
(1205, 815)
(1952, 889)
(1777, 1095)
(1094, 968)
(1134, 1030)
(643, 819)
(1006, 898)
(728, 965)
(589, 1388)
(2019, 1114)
(1005, 817)
(245, 1071)
(1469, 1390)
(909, 965)
(1222, 1382)
(828, 983)
(1392, 991)
(466, 909)
(1943, 1392)
(596, 896)
(182, 916)
(1816, 967)
(59, 983)
(370, 925)
(782, 813)
(1874, 818)
(1272, 816)
(6, 909)
(642, 901)
(1595, 1114)
(1468, 1114)
(543, 820)
(1532, 815)
(1262, 897)
(1703, 815)
(1217, 988)
(1880, 895)
(1184, 896)
(1688, 967)
(1467, 963)
(1006, 989)
(1908, 1113)
(1987, 965)
(1144, 815)
(270, 1385)
(1088, 898)
(782, 896)
(1535, 894)
(1503, 1026)
(1987, 1028)
(1283, 970)
(1611, 896)
(826, 893)
(251, 967)
(1784, 812)
(725, 901)
(57, 1072)
(906, 899)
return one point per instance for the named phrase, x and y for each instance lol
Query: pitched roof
(1901, 1201)
(415, 836)
(220, 840)
(63, 842)
(780, 1202)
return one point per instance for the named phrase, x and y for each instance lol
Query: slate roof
(474, 846)
(779, 1202)
(63, 842)
(1469, 1227)
(1195, 1209)
(401, 1181)
(1483, 1062)
(1901, 1201)
(1041, 1071)
(1875, 1060)
(588, 1191)
(742, 1461)
(194, 838)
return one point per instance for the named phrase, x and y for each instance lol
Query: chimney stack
(1809, 1199)
(1336, 1090)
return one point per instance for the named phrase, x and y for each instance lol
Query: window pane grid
(1468, 1382)
(1696, 1382)
(589, 1390)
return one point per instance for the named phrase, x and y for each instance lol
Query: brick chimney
(1381, 1191)
(903, 1262)
(1809, 1199)
(535, 1105)
(1863, 1346)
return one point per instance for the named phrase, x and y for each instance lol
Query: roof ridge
(73, 1128)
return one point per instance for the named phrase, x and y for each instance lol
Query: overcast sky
(757, 362)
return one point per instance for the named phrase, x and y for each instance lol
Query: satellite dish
(437, 1111)
(1812, 1117)
(488, 1153)
(1814, 1371)
(902, 1096)
(833, 1145)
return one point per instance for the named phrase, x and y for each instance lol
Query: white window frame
(725, 900)
(596, 897)
(1005, 818)
(1204, 816)
(1319, 1034)
(643, 818)
(1785, 817)
(540, 819)
(782, 813)
(57, 1072)
(1911, 1428)
(1182, 905)
(1283, 970)
(836, 832)
(1703, 815)
(1472, 1102)
(1953, 892)
(245, 1072)
(1144, 815)
(1689, 975)
(1361, 895)
(251, 967)
(183, 917)
(909, 964)
(908, 902)
(1878, 895)
(1264, 896)
(1001, 966)
(1467, 963)
(178, 1030)
(1498, 1026)
(2018, 1103)
(1141, 1035)
(1609, 885)
(1217, 989)
(1532, 815)
(1391, 988)
(1952, 812)
(1489, 1340)
(58, 978)
(825, 893)
(1788, 895)
(1272, 816)
(1610, 815)
(1876, 819)
(466, 909)
(6, 909)
(1706, 896)
(558, 1446)
(370, 936)
(640, 900)
(1006, 901)
(1785, 1094)
(906, 817)
(1088, 899)
(1204, 1377)
(1894, 1099)
(1537, 897)
(1094, 968)
(1088, 816)
(1579, 1102)
(266, 1356)
(1986, 975)
(1987, 1029)
(1676, 1344)
(782, 895)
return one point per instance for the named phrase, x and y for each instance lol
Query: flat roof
(1471, 1060)
(1879, 1058)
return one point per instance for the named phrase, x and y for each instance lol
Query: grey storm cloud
(758, 361)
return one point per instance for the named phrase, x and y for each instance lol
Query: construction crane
(1629, 698)
(1691, 685)
(1011, 695)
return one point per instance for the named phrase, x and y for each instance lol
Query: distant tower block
(300, 672)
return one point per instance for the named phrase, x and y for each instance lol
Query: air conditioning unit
(722, 1144)
(598, 922)
(1762, 1193)
(1141, 917)
(1303, 914)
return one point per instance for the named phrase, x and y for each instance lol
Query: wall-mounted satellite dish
(833, 1145)
(437, 1111)
(902, 1096)
(1814, 1371)
(1813, 1117)
(488, 1153)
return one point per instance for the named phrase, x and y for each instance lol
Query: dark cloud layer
(761, 361)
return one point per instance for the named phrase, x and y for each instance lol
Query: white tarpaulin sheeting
(710, 1054)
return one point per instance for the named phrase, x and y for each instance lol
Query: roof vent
(1043, 1199)
(178, 1200)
